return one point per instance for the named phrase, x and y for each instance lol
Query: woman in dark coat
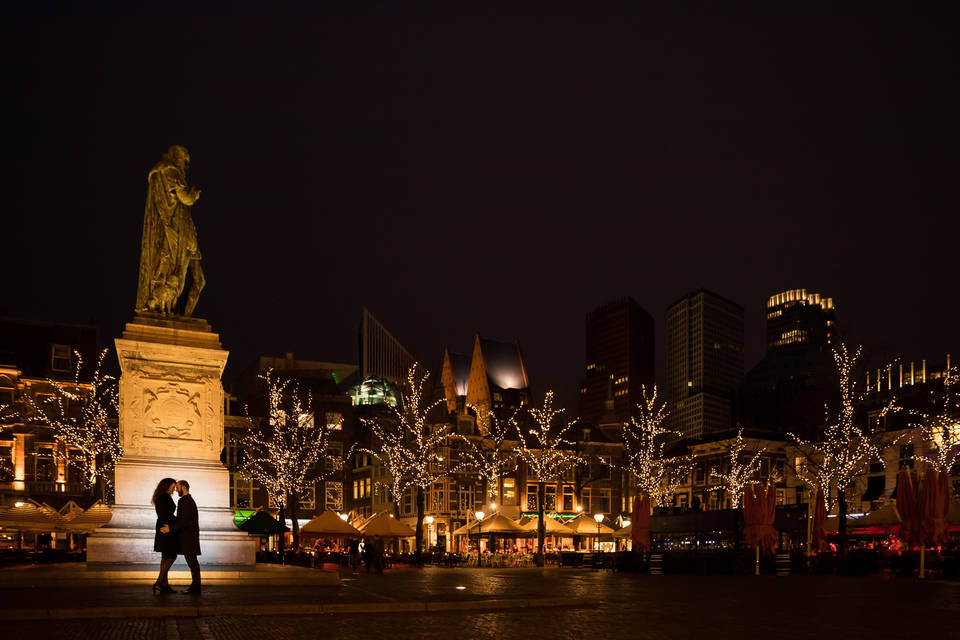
(167, 544)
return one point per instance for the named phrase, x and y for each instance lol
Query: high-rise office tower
(704, 362)
(797, 319)
(619, 351)
(785, 392)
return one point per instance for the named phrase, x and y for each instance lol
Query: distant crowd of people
(369, 550)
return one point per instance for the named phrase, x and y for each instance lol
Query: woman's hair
(161, 489)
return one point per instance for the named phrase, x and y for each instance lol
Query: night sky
(488, 172)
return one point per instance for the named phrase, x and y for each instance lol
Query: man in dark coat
(188, 528)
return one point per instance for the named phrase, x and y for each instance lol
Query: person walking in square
(187, 527)
(378, 553)
(166, 543)
(354, 550)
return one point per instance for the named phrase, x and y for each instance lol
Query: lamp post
(626, 523)
(429, 521)
(479, 515)
(599, 518)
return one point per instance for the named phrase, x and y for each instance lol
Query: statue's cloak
(169, 239)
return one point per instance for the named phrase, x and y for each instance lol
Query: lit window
(334, 420)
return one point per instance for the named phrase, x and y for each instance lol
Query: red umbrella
(818, 542)
(640, 523)
(768, 540)
(932, 507)
(759, 508)
(907, 508)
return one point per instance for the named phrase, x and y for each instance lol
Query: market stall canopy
(31, 516)
(495, 524)
(551, 525)
(93, 518)
(262, 524)
(328, 523)
(626, 532)
(70, 510)
(386, 526)
(585, 525)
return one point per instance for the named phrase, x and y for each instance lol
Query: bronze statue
(169, 247)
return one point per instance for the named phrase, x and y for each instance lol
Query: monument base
(171, 426)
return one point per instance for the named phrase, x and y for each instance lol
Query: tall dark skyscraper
(797, 319)
(785, 392)
(619, 359)
(704, 362)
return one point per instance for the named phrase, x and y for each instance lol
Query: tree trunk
(842, 527)
(541, 526)
(421, 512)
(295, 501)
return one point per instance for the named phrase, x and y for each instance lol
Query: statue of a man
(169, 247)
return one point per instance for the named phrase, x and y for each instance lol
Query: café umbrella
(262, 524)
(329, 524)
(31, 516)
(550, 525)
(907, 508)
(640, 523)
(498, 524)
(385, 526)
(96, 516)
(759, 508)
(818, 537)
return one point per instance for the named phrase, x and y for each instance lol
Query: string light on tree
(739, 473)
(844, 449)
(289, 451)
(547, 454)
(644, 440)
(414, 452)
(87, 439)
(491, 457)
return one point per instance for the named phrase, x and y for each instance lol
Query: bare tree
(547, 454)
(644, 440)
(288, 451)
(491, 456)
(844, 449)
(83, 416)
(414, 451)
(740, 469)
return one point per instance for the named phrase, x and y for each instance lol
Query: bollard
(656, 564)
(783, 564)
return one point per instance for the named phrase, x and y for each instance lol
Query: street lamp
(429, 521)
(479, 515)
(599, 518)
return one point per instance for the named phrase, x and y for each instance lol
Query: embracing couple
(178, 532)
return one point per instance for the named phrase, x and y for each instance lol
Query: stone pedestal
(171, 425)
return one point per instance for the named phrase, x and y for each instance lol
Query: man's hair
(186, 485)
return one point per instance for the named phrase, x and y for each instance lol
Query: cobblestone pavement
(631, 606)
